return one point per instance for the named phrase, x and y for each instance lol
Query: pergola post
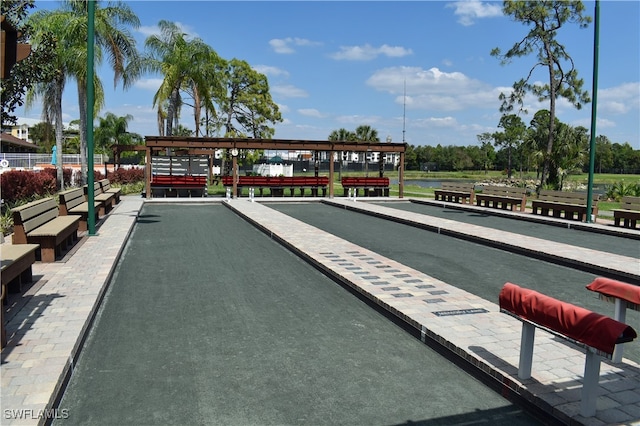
(148, 173)
(401, 176)
(331, 173)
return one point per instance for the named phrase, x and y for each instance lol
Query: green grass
(417, 191)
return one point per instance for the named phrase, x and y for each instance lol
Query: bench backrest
(566, 197)
(97, 188)
(105, 184)
(34, 214)
(365, 181)
(284, 181)
(168, 180)
(180, 165)
(71, 198)
(574, 322)
(505, 191)
(458, 186)
(630, 203)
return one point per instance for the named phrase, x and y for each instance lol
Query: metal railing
(29, 161)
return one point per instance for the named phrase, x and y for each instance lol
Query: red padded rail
(277, 181)
(179, 181)
(365, 181)
(590, 328)
(613, 288)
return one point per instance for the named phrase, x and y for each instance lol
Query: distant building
(11, 143)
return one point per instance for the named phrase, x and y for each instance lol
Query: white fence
(27, 161)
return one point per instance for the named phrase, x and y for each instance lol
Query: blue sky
(337, 64)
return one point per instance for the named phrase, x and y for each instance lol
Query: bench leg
(48, 254)
(3, 331)
(526, 350)
(620, 314)
(590, 385)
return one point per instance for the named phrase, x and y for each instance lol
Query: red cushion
(580, 324)
(609, 287)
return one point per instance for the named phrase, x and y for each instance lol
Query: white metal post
(620, 314)
(526, 350)
(590, 384)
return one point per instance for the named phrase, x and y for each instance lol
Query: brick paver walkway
(47, 333)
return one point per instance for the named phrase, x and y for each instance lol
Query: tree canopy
(36, 68)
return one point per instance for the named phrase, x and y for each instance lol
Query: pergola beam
(271, 144)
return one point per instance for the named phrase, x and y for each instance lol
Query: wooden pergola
(206, 146)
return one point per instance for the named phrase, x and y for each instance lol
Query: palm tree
(69, 24)
(342, 135)
(184, 66)
(206, 87)
(44, 24)
(367, 133)
(112, 130)
(111, 37)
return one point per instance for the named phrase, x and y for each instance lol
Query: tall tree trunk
(552, 118)
(82, 103)
(59, 131)
(160, 121)
(197, 110)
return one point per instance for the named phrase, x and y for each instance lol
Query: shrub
(21, 185)
(52, 172)
(124, 176)
(618, 190)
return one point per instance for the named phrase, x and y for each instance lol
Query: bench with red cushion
(376, 186)
(277, 184)
(178, 185)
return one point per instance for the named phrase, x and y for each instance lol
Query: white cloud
(283, 108)
(152, 84)
(435, 122)
(357, 119)
(286, 45)
(288, 91)
(311, 112)
(368, 52)
(470, 10)
(433, 89)
(271, 71)
(620, 99)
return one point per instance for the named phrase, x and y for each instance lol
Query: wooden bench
(178, 186)
(371, 186)
(107, 201)
(456, 192)
(503, 197)
(73, 202)
(628, 213)
(16, 265)
(564, 204)
(17, 261)
(598, 334)
(106, 187)
(277, 184)
(39, 222)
